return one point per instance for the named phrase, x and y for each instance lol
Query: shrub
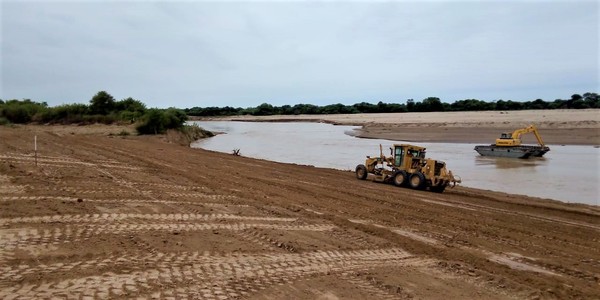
(20, 112)
(157, 121)
(63, 114)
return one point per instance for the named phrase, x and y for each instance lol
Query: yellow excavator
(509, 145)
(514, 138)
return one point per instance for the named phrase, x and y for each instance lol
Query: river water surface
(566, 173)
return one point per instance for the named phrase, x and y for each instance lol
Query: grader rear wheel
(361, 172)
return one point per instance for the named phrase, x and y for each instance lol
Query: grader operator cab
(407, 166)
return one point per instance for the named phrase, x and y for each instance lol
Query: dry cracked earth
(106, 217)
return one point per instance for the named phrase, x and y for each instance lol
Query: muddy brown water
(566, 173)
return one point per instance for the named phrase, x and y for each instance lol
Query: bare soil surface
(558, 127)
(108, 217)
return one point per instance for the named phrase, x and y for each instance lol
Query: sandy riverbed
(568, 127)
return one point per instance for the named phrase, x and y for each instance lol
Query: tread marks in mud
(115, 217)
(514, 261)
(203, 276)
(8, 188)
(65, 161)
(11, 239)
(371, 287)
(257, 238)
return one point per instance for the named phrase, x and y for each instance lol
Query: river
(566, 173)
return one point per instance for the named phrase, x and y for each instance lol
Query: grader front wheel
(400, 178)
(417, 181)
(361, 172)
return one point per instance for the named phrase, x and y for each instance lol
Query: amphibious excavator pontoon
(509, 145)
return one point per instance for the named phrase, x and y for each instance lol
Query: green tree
(130, 104)
(174, 118)
(432, 104)
(592, 100)
(365, 107)
(557, 104)
(102, 103)
(305, 109)
(264, 109)
(514, 105)
(157, 121)
(21, 111)
(130, 109)
(410, 105)
(538, 104)
(501, 105)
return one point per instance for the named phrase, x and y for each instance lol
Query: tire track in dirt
(514, 261)
(372, 288)
(103, 169)
(12, 238)
(209, 276)
(476, 207)
(464, 239)
(219, 205)
(6, 187)
(34, 198)
(66, 162)
(457, 231)
(102, 218)
(264, 241)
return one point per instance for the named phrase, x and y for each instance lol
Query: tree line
(430, 104)
(102, 108)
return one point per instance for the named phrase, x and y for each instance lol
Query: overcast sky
(193, 53)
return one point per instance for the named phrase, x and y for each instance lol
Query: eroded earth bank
(119, 217)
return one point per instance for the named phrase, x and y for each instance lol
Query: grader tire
(400, 178)
(361, 172)
(417, 181)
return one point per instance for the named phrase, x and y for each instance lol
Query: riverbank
(557, 127)
(111, 216)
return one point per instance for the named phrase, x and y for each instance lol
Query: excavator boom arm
(517, 133)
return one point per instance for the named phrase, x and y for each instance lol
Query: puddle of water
(566, 173)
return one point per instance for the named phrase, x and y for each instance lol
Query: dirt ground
(106, 216)
(557, 127)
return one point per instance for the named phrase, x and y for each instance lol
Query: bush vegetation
(102, 108)
(157, 121)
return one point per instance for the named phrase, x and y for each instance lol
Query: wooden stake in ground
(35, 148)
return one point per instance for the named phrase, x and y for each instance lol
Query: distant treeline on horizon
(430, 104)
(103, 108)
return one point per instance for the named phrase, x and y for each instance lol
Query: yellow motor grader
(407, 166)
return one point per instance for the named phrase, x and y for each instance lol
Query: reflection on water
(566, 173)
(509, 163)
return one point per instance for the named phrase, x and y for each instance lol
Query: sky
(223, 53)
